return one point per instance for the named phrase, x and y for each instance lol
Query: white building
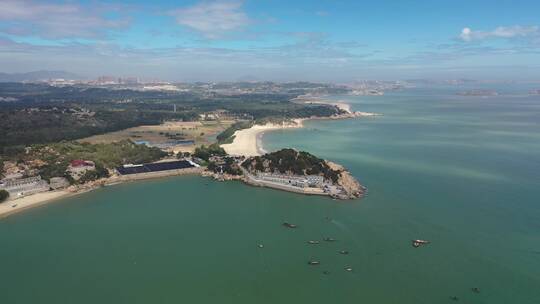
(315, 181)
(78, 168)
(24, 186)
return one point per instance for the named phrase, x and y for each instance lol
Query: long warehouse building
(155, 167)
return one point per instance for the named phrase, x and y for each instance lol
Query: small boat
(344, 252)
(313, 242)
(326, 272)
(349, 269)
(475, 290)
(289, 225)
(260, 246)
(329, 239)
(418, 243)
(313, 262)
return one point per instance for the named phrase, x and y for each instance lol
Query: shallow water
(463, 172)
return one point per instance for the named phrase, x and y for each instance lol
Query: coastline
(13, 206)
(248, 142)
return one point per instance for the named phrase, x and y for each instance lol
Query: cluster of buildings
(18, 186)
(223, 115)
(106, 80)
(300, 181)
(305, 184)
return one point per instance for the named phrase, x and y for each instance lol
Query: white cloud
(213, 19)
(467, 34)
(55, 21)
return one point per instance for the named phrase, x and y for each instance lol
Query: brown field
(203, 133)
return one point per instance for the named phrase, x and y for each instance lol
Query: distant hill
(37, 75)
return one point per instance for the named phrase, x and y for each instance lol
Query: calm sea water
(463, 172)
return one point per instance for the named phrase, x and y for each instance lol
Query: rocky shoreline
(333, 181)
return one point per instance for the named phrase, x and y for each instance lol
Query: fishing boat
(418, 243)
(344, 252)
(313, 242)
(289, 225)
(313, 262)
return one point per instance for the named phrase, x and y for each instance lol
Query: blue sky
(273, 40)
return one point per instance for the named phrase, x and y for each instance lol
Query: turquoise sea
(462, 172)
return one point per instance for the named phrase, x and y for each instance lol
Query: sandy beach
(23, 203)
(247, 142)
(12, 206)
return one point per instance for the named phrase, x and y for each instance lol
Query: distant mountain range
(37, 76)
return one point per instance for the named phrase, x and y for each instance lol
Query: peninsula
(288, 170)
(57, 141)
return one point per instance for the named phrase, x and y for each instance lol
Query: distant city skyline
(330, 41)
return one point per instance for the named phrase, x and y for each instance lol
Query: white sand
(340, 104)
(16, 205)
(343, 106)
(247, 141)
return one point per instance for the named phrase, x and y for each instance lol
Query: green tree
(205, 152)
(99, 172)
(3, 195)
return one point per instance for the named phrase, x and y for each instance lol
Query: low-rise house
(11, 176)
(77, 168)
(13, 170)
